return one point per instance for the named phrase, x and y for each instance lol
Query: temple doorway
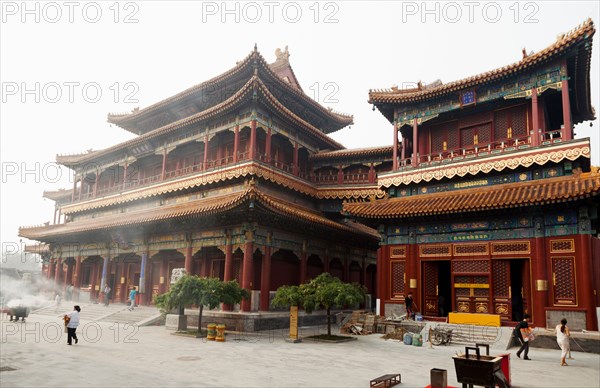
(437, 290)
(511, 289)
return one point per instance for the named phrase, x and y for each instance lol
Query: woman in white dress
(562, 337)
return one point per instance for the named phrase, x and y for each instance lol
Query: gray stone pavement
(115, 355)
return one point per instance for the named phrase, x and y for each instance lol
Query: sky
(65, 65)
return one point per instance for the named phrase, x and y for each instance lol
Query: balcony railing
(474, 151)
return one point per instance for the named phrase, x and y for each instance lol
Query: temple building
(485, 202)
(491, 205)
(234, 178)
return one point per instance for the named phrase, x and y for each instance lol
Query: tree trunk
(328, 321)
(200, 322)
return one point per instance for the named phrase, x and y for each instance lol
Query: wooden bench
(386, 381)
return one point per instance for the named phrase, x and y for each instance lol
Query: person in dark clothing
(521, 332)
(408, 302)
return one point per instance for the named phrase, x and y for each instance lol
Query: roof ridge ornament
(282, 56)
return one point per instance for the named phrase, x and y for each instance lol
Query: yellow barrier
(474, 319)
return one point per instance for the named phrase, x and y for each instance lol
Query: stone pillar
(567, 133)
(265, 276)
(415, 144)
(93, 282)
(247, 270)
(535, 118)
(395, 149)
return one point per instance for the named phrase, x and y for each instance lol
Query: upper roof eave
(395, 96)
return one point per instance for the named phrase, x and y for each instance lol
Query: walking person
(562, 337)
(132, 295)
(408, 302)
(73, 321)
(522, 332)
(107, 291)
(57, 300)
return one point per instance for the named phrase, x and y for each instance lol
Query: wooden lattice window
(398, 277)
(563, 280)
(562, 246)
(434, 250)
(512, 247)
(444, 137)
(470, 249)
(398, 251)
(501, 125)
(470, 266)
(510, 123)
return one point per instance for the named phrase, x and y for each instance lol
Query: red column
(164, 273)
(58, 271)
(268, 145)
(403, 154)
(74, 187)
(94, 274)
(253, 139)
(164, 165)
(205, 161)
(77, 274)
(395, 149)
(125, 175)
(80, 187)
(326, 261)
(236, 143)
(265, 278)
(55, 211)
(346, 263)
(566, 108)
(247, 268)
(586, 288)
(303, 263)
(535, 118)
(380, 286)
(96, 183)
(69, 277)
(371, 174)
(340, 175)
(412, 270)
(228, 273)
(188, 259)
(415, 143)
(295, 168)
(51, 268)
(540, 282)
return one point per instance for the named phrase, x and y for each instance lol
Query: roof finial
(255, 47)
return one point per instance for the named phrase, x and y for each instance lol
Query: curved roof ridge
(585, 29)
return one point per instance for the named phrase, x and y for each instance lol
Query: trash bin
(407, 339)
(211, 331)
(438, 378)
(220, 333)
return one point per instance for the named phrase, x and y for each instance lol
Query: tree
(323, 291)
(194, 290)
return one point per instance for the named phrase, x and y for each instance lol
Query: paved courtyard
(115, 355)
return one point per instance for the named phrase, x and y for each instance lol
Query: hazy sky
(65, 65)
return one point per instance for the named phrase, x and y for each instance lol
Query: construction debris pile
(360, 323)
(397, 334)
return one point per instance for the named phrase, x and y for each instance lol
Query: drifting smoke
(30, 292)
